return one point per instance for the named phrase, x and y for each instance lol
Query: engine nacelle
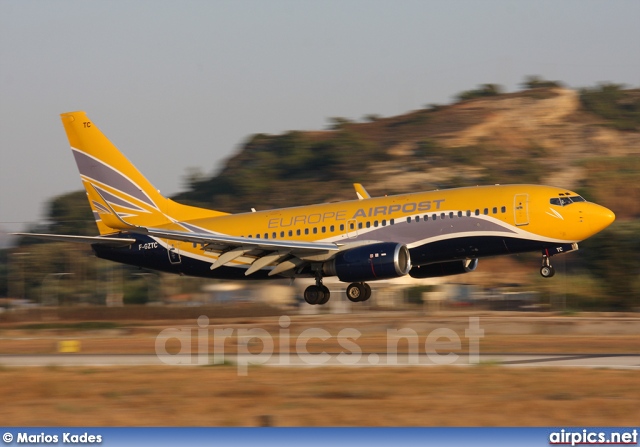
(384, 260)
(444, 269)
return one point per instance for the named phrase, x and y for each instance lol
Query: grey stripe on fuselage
(408, 233)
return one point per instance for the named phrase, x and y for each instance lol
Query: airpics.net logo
(593, 437)
(257, 346)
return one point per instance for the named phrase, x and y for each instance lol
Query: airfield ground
(474, 395)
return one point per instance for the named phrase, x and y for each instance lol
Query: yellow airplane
(425, 234)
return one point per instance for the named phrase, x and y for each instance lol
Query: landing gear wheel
(313, 295)
(356, 292)
(367, 292)
(547, 271)
(326, 295)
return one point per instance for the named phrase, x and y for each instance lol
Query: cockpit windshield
(565, 200)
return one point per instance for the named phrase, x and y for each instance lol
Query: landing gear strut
(358, 291)
(547, 270)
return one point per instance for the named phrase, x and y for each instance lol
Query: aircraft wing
(219, 239)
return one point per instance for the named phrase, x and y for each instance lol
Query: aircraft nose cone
(601, 218)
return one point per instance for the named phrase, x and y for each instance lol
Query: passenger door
(521, 209)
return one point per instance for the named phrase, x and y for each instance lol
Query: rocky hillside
(542, 135)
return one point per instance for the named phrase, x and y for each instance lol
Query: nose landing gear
(547, 270)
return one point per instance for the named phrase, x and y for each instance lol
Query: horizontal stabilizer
(100, 240)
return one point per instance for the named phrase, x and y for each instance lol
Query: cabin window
(352, 226)
(306, 231)
(495, 210)
(442, 215)
(384, 222)
(486, 211)
(409, 219)
(257, 236)
(417, 218)
(249, 236)
(459, 213)
(425, 217)
(434, 217)
(341, 227)
(266, 235)
(332, 228)
(324, 229)
(477, 212)
(274, 235)
(451, 215)
(290, 233)
(375, 223)
(503, 209)
(282, 234)
(391, 222)
(298, 232)
(368, 224)
(359, 225)
(315, 230)
(468, 213)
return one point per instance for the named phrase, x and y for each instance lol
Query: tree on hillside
(535, 81)
(618, 106)
(482, 91)
(612, 257)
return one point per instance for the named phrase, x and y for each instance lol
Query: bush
(621, 108)
(483, 91)
(611, 256)
(535, 81)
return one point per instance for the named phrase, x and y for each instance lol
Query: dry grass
(483, 395)
(368, 342)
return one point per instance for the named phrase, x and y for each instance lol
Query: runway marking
(365, 359)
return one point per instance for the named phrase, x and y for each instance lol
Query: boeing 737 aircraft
(424, 234)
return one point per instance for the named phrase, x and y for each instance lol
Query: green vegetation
(338, 122)
(482, 91)
(612, 258)
(614, 181)
(535, 81)
(621, 108)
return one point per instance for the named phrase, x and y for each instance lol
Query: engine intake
(384, 260)
(444, 269)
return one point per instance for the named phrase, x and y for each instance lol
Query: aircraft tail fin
(107, 175)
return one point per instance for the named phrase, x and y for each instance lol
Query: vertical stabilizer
(108, 175)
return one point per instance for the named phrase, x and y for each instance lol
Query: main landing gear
(547, 270)
(358, 291)
(319, 294)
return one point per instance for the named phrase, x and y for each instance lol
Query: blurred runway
(369, 359)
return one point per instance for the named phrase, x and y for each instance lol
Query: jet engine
(383, 260)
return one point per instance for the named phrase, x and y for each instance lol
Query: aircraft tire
(326, 295)
(547, 271)
(313, 295)
(367, 292)
(355, 292)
